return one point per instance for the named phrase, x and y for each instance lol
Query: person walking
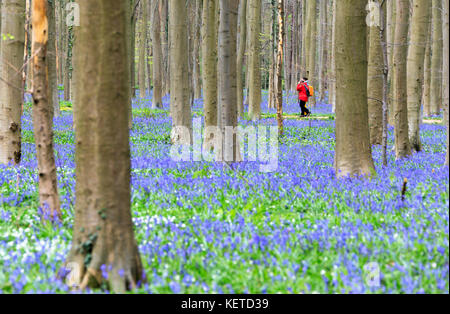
(303, 96)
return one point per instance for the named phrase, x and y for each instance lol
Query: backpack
(308, 90)
(311, 91)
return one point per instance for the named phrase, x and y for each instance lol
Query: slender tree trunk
(427, 75)
(402, 145)
(311, 64)
(323, 50)
(42, 114)
(133, 21)
(197, 35)
(353, 149)
(180, 108)
(375, 83)
(164, 14)
(157, 55)
(51, 55)
(11, 58)
(333, 59)
(240, 57)
(68, 63)
(103, 230)
(209, 64)
(143, 48)
(436, 59)
(445, 67)
(279, 78)
(227, 93)
(415, 71)
(391, 20)
(254, 63)
(384, 47)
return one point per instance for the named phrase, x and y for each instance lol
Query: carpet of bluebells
(205, 228)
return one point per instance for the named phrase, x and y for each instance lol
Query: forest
(224, 146)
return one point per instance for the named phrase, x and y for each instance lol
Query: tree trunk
(353, 149)
(197, 35)
(11, 56)
(180, 108)
(427, 75)
(278, 76)
(42, 114)
(375, 83)
(391, 20)
(51, 55)
(157, 55)
(68, 63)
(312, 38)
(254, 62)
(227, 93)
(143, 49)
(402, 145)
(436, 59)
(333, 60)
(103, 233)
(240, 57)
(445, 67)
(209, 65)
(323, 50)
(414, 69)
(384, 48)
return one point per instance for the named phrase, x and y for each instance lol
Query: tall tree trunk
(445, 68)
(157, 55)
(180, 108)
(209, 64)
(333, 60)
(143, 48)
(322, 66)
(427, 75)
(353, 149)
(391, 21)
(133, 21)
(384, 48)
(254, 62)
(51, 55)
(436, 59)
(375, 83)
(42, 114)
(103, 231)
(414, 68)
(68, 62)
(278, 76)
(164, 14)
(227, 93)
(197, 35)
(312, 34)
(240, 57)
(402, 145)
(11, 58)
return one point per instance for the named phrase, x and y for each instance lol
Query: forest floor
(203, 228)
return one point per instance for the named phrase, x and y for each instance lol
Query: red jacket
(302, 95)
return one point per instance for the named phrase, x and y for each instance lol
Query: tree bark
(427, 75)
(42, 114)
(436, 59)
(227, 92)
(103, 233)
(209, 64)
(51, 55)
(11, 58)
(353, 149)
(254, 62)
(180, 108)
(402, 145)
(196, 49)
(445, 67)
(240, 57)
(143, 48)
(278, 76)
(375, 83)
(311, 50)
(157, 55)
(415, 70)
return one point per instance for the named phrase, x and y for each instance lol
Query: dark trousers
(305, 110)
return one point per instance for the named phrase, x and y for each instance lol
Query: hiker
(303, 96)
